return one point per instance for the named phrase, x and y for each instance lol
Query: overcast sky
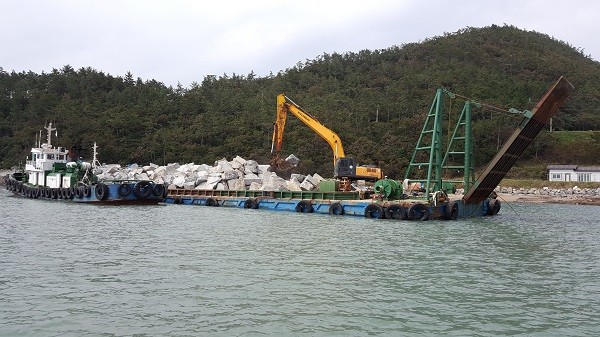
(175, 41)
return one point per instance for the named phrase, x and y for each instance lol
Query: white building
(573, 173)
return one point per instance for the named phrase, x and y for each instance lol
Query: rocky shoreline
(573, 196)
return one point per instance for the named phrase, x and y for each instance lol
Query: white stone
(179, 181)
(113, 169)
(201, 178)
(160, 170)
(251, 167)
(293, 185)
(171, 168)
(297, 177)
(292, 160)
(239, 160)
(213, 180)
(311, 180)
(255, 186)
(317, 178)
(306, 185)
(223, 165)
(263, 168)
(274, 183)
(252, 178)
(228, 175)
(236, 184)
(236, 165)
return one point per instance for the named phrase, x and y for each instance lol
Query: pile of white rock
(237, 174)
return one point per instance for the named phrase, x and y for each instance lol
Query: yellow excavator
(343, 167)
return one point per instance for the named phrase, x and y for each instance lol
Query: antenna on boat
(50, 129)
(95, 162)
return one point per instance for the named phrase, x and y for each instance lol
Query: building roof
(561, 167)
(574, 168)
(588, 168)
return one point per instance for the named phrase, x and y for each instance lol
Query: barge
(334, 203)
(431, 199)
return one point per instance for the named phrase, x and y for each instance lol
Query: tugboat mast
(95, 162)
(49, 136)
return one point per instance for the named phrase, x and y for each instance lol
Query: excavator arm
(285, 105)
(343, 167)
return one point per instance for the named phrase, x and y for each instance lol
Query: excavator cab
(344, 167)
(347, 167)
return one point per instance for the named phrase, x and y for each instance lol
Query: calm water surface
(69, 270)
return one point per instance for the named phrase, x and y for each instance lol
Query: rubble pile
(237, 174)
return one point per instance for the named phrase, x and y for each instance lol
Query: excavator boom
(285, 105)
(342, 166)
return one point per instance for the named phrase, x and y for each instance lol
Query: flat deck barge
(333, 203)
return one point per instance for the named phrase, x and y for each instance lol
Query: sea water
(171, 270)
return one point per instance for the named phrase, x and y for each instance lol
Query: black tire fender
(304, 206)
(143, 189)
(395, 211)
(451, 211)
(211, 202)
(68, 193)
(159, 190)
(374, 211)
(251, 203)
(493, 207)
(336, 209)
(418, 211)
(87, 191)
(124, 190)
(101, 191)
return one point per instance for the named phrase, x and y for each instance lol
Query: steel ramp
(523, 136)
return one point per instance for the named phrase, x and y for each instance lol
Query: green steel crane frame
(430, 142)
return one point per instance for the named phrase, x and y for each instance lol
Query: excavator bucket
(280, 164)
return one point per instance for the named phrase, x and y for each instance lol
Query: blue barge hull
(348, 204)
(109, 192)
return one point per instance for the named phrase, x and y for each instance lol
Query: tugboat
(51, 173)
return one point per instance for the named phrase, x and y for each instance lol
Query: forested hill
(375, 100)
